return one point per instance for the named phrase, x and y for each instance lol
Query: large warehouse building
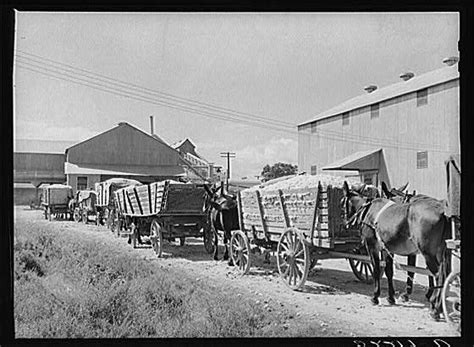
(399, 133)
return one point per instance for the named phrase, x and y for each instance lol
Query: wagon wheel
(451, 297)
(363, 270)
(240, 251)
(293, 259)
(209, 238)
(156, 238)
(182, 240)
(77, 215)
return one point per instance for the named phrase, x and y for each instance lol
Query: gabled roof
(428, 79)
(122, 124)
(182, 142)
(353, 161)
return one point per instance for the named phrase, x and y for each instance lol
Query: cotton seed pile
(305, 181)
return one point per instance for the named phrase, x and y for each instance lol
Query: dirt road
(332, 299)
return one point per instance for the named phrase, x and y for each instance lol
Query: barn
(36, 162)
(400, 133)
(123, 151)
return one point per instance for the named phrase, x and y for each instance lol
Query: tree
(278, 170)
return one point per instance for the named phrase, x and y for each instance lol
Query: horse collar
(387, 205)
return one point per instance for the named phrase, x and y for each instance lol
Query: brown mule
(403, 229)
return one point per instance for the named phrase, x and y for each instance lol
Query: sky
(237, 82)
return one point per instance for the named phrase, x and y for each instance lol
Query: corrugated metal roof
(428, 79)
(41, 146)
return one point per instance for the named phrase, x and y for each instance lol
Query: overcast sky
(286, 67)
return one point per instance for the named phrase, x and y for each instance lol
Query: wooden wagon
(451, 293)
(164, 211)
(301, 225)
(105, 205)
(55, 201)
(85, 208)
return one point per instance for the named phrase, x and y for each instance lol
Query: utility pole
(228, 155)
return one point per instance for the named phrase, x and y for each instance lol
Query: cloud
(250, 160)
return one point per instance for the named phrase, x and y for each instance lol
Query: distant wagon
(164, 210)
(85, 207)
(105, 205)
(55, 201)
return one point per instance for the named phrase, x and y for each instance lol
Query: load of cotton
(304, 181)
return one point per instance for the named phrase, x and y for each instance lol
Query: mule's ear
(345, 188)
(402, 188)
(385, 190)
(208, 191)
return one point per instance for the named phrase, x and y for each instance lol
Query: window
(81, 183)
(313, 127)
(314, 169)
(374, 111)
(422, 160)
(422, 97)
(345, 118)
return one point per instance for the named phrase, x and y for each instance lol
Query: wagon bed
(164, 210)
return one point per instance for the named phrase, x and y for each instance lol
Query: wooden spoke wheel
(293, 259)
(77, 215)
(240, 251)
(363, 270)
(156, 237)
(182, 240)
(451, 298)
(209, 238)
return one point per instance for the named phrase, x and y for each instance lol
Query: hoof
(374, 301)
(405, 297)
(215, 257)
(230, 263)
(435, 316)
(129, 241)
(391, 301)
(226, 257)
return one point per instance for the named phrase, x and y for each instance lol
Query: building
(36, 162)
(123, 151)
(399, 133)
(197, 167)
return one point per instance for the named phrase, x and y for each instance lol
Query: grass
(67, 286)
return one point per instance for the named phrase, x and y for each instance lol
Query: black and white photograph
(237, 174)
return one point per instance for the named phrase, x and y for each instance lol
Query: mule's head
(352, 200)
(218, 199)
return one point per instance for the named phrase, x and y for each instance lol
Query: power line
(330, 135)
(162, 94)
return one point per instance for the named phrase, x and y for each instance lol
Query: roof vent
(370, 89)
(407, 75)
(450, 61)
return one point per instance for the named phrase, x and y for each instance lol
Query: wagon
(105, 205)
(85, 208)
(451, 293)
(55, 201)
(301, 226)
(164, 210)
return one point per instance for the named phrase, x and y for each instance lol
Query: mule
(389, 228)
(223, 216)
(401, 195)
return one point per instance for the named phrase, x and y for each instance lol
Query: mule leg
(433, 266)
(374, 256)
(411, 261)
(389, 273)
(430, 288)
(216, 244)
